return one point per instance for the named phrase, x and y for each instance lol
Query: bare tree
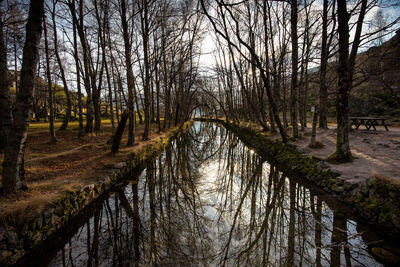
(144, 22)
(294, 82)
(5, 105)
(53, 138)
(228, 26)
(129, 73)
(345, 78)
(323, 91)
(13, 176)
(67, 117)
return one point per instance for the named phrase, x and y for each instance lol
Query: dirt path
(376, 152)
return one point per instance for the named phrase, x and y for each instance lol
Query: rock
(12, 238)
(304, 150)
(323, 164)
(349, 185)
(89, 187)
(4, 255)
(39, 222)
(47, 214)
(120, 165)
(349, 196)
(386, 145)
(337, 189)
(339, 180)
(17, 255)
(59, 210)
(327, 189)
(37, 237)
(55, 220)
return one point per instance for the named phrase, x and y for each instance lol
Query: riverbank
(375, 198)
(63, 182)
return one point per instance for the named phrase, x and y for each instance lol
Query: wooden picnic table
(369, 122)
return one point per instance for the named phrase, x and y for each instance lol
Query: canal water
(208, 200)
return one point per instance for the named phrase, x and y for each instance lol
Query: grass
(52, 169)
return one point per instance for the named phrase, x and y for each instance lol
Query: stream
(208, 200)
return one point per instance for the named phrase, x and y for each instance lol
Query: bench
(369, 122)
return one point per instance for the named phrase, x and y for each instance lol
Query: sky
(208, 57)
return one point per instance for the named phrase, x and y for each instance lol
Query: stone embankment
(376, 200)
(18, 237)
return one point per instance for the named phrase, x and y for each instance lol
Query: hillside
(377, 81)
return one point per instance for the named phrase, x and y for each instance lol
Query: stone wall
(16, 238)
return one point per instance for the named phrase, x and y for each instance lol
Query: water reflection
(209, 201)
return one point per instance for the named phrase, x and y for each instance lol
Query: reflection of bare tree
(317, 212)
(291, 241)
(209, 200)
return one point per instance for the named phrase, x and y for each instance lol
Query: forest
(125, 72)
(273, 61)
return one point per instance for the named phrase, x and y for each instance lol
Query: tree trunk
(343, 153)
(5, 105)
(146, 89)
(53, 138)
(345, 76)
(114, 81)
(13, 164)
(15, 66)
(85, 51)
(158, 98)
(103, 42)
(119, 132)
(294, 84)
(129, 74)
(62, 72)
(323, 90)
(78, 82)
(110, 99)
(314, 128)
(139, 113)
(96, 105)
